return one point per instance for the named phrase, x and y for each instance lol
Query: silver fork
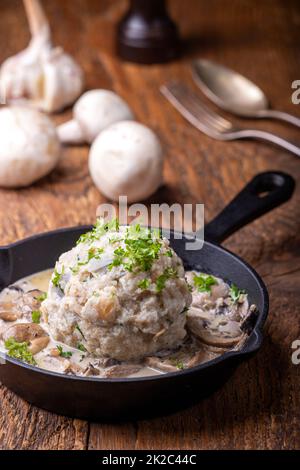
(212, 124)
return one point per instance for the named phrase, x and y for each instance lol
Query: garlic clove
(62, 81)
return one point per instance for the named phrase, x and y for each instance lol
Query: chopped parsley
(19, 351)
(77, 327)
(100, 229)
(36, 316)
(235, 293)
(57, 277)
(62, 353)
(203, 282)
(142, 247)
(169, 253)
(42, 297)
(178, 364)
(144, 284)
(168, 273)
(81, 347)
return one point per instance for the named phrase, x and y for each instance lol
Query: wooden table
(259, 406)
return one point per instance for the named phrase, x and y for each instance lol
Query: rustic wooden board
(259, 407)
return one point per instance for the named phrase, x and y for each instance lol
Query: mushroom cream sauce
(219, 319)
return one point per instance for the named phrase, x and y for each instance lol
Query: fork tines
(194, 110)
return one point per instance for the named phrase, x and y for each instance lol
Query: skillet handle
(262, 194)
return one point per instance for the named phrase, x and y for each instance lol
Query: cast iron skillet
(115, 399)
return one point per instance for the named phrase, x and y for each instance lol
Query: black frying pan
(116, 399)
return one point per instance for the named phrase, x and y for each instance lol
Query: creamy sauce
(205, 321)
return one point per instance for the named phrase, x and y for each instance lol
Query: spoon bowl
(235, 93)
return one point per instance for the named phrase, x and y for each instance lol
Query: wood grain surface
(259, 407)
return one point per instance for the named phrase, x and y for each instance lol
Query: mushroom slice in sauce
(8, 312)
(214, 331)
(9, 304)
(55, 364)
(216, 316)
(122, 370)
(32, 298)
(15, 303)
(91, 370)
(160, 364)
(30, 333)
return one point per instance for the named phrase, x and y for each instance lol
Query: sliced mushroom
(214, 338)
(8, 311)
(55, 364)
(54, 352)
(213, 329)
(91, 371)
(202, 356)
(30, 333)
(122, 370)
(75, 369)
(106, 362)
(160, 364)
(9, 303)
(31, 301)
(38, 344)
(14, 288)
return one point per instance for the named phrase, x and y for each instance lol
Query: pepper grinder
(146, 34)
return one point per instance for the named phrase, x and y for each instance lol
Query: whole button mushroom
(29, 148)
(93, 112)
(126, 160)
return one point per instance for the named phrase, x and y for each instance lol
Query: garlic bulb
(126, 160)
(29, 149)
(42, 76)
(94, 111)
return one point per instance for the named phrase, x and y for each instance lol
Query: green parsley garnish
(81, 347)
(168, 273)
(144, 284)
(178, 364)
(19, 351)
(99, 230)
(42, 297)
(36, 316)
(169, 253)
(235, 293)
(142, 248)
(203, 282)
(77, 327)
(57, 277)
(62, 353)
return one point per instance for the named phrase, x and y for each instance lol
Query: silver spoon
(233, 92)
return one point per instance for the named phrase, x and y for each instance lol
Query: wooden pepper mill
(146, 34)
